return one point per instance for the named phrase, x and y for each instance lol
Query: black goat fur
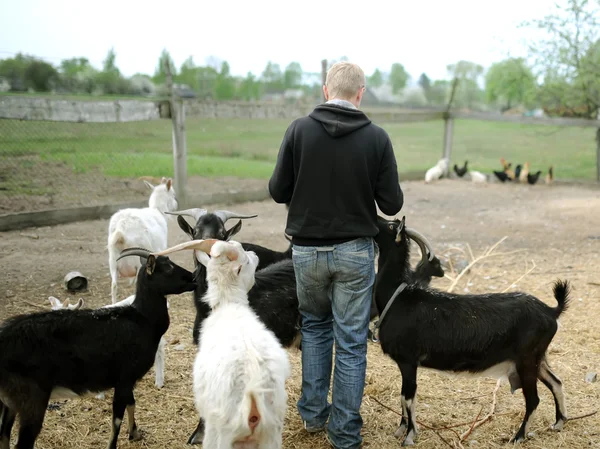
(273, 297)
(85, 351)
(463, 333)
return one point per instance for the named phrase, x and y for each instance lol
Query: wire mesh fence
(63, 164)
(55, 165)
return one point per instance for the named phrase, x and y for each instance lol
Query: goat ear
(150, 264)
(54, 302)
(185, 226)
(150, 186)
(234, 230)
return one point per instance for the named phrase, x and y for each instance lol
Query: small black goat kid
(273, 296)
(70, 353)
(502, 334)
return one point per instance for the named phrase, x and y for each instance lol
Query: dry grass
(447, 407)
(560, 248)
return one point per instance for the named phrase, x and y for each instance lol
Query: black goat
(69, 353)
(429, 266)
(501, 334)
(273, 297)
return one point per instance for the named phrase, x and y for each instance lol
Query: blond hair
(344, 80)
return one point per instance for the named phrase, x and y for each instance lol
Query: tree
(376, 79)
(425, 84)
(568, 57)
(160, 73)
(510, 82)
(225, 85)
(398, 77)
(41, 76)
(468, 92)
(13, 69)
(109, 64)
(439, 93)
(188, 74)
(272, 77)
(250, 88)
(292, 77)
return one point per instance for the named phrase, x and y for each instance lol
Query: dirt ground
(557, 227)
(25, 187)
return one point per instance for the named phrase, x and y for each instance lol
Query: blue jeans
(334, 287)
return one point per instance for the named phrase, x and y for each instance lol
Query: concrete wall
(40, 108)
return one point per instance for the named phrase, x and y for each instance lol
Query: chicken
(505, 165)
(518, 171)
(461, 171)
(502, 176)
(532, 179)
(550, 175)
(524, 175)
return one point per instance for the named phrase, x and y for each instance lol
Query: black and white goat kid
(70, 353)
(499, 335)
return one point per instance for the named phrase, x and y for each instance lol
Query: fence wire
(54, 165)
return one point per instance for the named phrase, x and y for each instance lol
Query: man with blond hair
(332, 167)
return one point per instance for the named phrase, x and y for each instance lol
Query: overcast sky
(423, 35)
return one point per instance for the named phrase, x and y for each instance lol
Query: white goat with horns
(139, 228)
(241, 368)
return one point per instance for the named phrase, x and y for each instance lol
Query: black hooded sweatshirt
(331, 168)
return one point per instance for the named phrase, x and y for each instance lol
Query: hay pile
(447, 407)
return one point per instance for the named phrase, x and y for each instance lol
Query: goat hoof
(408, 441)
(517, 439)
(399, 433)
(558, 425)
(136, 435)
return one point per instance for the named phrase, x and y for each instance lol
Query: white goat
(142, 228)
(159, 360)
(241, 368)
(438, 170)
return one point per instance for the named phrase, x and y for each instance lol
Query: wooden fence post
(323, 77)
(448, 134)
(179, 141)
(598, 154)
(449, 127)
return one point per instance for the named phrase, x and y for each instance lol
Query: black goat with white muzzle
(273, 296)
(498, 334)
(71, 353)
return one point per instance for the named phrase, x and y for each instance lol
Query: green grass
(248, 148)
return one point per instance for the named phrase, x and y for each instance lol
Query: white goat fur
(144, 228)
(159, 360)
(240, 365)
(438, 170)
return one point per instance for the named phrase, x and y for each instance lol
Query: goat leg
(408, 423)
(122, 398)
(7, 419)
(31, 420)
(554, 384)
(528, 374)
(134, 433)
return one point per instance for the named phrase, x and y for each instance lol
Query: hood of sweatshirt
(339, 121)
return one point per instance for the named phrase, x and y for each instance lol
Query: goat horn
(141, 252)
(195, 213)
(202, 245)
(225, 215)
(421, 240)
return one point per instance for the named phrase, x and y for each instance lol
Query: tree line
(561, 74)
